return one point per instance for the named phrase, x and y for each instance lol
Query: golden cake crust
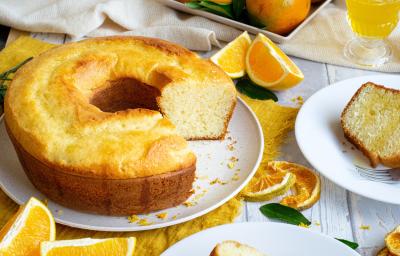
(49, 109)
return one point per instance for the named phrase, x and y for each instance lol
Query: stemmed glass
(371, 21)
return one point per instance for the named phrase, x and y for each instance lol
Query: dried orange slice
(268, 184)
(89, 247)
(392, 241)
(307, 187)
(384, 252)
(22, 234)
(270, 67)
(231, 58)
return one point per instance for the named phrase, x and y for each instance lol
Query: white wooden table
(339, 213)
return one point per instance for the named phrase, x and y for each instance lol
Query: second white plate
(218, 180)
(320, 138)
(272, 239)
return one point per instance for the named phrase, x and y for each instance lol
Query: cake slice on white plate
(233, 248)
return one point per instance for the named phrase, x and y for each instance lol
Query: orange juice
(373, 18)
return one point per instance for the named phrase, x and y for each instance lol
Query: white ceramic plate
(315, 8)
(320, 138)
(272, 239)
(247, 143)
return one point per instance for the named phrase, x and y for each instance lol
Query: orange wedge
(270, 67)
(232, 57)
(268, 184)
(22, 234)
(89, 247)
(392, 241)
(307, 186)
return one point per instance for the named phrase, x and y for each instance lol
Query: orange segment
(232, 57)
(307, 185)
(89, 247)
(268, 66)
(23, 233)
(263, 65)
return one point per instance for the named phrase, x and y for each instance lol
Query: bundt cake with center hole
(100, 125)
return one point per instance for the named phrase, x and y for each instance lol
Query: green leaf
(247, 87)
(284, 213)
(193, 5)
(238, 7)
(350, 244)
(219, 9)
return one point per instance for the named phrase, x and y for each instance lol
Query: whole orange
(278, 16)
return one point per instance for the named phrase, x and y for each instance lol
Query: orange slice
(384, 252)
(392, 241)
(268, 184)
(232, 57)
(270, 67)
(22, 234)
(89, 247)
(307, 187)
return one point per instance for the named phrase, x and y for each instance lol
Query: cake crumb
(189, 204)
(317, 223)
(231, 165)
(144, 222)
(45, 201)
(365, 227)
(217, 181)
(162, 215)
(175, 217)
(133, 218)
(59, 212)
(235, 177)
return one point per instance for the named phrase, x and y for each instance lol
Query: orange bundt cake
(100, 125)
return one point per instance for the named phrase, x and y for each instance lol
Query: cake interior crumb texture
(374, 119)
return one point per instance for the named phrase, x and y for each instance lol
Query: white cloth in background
(321, 40)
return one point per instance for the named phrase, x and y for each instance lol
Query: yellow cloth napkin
(276, 121)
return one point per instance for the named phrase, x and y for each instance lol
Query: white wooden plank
(337, 73)
(380, 217)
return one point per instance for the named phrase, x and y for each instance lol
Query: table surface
(339, 213)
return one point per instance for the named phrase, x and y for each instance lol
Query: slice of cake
(371, 121)
(233, 248)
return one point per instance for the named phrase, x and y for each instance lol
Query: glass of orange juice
(372, 21)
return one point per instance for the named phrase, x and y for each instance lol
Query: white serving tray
(315, 8)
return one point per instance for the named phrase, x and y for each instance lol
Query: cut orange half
(268, 184)
(307, 188)
(270, 67)
(22, 234)
(232, 57)
(89, 247)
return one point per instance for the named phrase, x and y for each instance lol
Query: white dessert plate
(214, 168)
(320, 138)
(315, 9)
(267, 237)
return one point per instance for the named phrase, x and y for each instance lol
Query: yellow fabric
(276, 121)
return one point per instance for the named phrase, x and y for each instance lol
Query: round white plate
(244, 141)
(272, 239)
(320, 138)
